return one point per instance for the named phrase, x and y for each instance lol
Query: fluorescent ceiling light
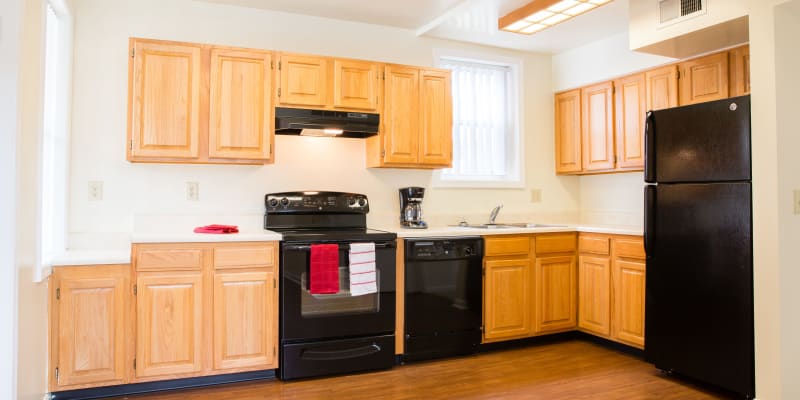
(540, 14)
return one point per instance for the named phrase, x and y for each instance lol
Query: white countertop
(191, 237)
(451, 231)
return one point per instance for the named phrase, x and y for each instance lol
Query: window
(486, 124)
(55, 100)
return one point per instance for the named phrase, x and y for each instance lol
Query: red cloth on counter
(324, 274)
(217, 229)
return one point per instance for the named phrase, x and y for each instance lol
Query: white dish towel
(362, 269)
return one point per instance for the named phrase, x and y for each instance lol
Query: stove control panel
(316, 202)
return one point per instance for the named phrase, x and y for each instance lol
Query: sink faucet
(493, 214)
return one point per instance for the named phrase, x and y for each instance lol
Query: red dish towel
(324, 273)
(217, 229)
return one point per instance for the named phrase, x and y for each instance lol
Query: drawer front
(555, 243)
(629, 248)
(243, 256)
(505, 245)
(594, 244)
(173, 258)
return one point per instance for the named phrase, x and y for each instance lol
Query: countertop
(122, 255)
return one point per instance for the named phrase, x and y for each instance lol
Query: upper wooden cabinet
(164, 100)
(568, 132)
(416, 122)
(89, 326)
(630, 107)
(328, 83)
(703, 79)
(662, 87)
(739, 64)
(193, 103)
(597, 127)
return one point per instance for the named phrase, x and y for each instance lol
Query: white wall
(612, 198)
(10, 28)
(787, 63)
(133, 191)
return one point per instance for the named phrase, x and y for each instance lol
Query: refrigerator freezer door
(699, 284)
(706, 142)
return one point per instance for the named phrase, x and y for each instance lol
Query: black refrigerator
(699, 243)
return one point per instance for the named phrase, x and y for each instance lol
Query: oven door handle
(294, 247)
(331, 355)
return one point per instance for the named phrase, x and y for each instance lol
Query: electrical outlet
(797, 201)
(95, 190)
(536, 195)
(192, 191)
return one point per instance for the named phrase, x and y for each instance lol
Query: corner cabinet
(193, 103)
(416, 124)
(90, 310)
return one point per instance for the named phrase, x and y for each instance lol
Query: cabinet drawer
(172, 258)
(505, 245)
(594, 244)
(629, 247)
(243, 256)
(555, 243)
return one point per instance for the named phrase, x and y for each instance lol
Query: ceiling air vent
(672, 11)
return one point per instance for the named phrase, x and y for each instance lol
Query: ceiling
(473, 21)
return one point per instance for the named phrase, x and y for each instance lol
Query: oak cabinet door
(169, 336)
(740, 71)
(597, 127)
(245, 312)
(240, 106)
(303, 80)
(355, 84)
(507, 298)
(165, 100)
(594, 300)
(555, 301)
(662, 88)
(91, 306)
(568, 132)
(436, 113)
(630, 108)
(401, 115)
(629, 299)
(704, 79)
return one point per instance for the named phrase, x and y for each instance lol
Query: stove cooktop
(321, 235)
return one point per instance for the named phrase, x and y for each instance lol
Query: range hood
(307, 122)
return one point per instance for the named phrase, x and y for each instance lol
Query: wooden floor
(574, 369)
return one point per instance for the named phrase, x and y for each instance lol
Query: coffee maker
(411, 207)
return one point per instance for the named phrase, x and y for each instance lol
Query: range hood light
(332, 131)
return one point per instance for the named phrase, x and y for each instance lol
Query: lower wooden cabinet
(594, 294)
(180, 310)
(507, 298)
(555, 293)
(89, 310)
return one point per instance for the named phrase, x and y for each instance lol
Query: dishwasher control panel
(443, 248)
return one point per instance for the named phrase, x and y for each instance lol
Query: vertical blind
(481, 120)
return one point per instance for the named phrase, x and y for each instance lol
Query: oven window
(342, 303)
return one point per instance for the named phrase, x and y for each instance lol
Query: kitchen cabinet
(662, 87)
(416, 122)
(89, 326)
(568, 131)
(196, 103)
(630, 111)
(507, 287)
(739, 63)
(594, 284)
(304, 80)
(597, 127)
(205, 308)
(555, 281)
(628, 271)
(356, 84)
(703, 79)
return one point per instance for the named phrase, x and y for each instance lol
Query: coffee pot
(411, 207)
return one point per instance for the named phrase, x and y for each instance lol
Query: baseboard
(173, 384)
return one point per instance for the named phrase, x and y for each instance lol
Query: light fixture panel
(538, 15)
(579, 9)
(563, 5)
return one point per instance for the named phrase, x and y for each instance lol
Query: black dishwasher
(443, 278)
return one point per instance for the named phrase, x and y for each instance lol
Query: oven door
(306, 316)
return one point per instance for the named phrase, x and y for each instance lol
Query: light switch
(536, 195)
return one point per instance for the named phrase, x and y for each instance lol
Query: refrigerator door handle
(649, 219)
(649, 147)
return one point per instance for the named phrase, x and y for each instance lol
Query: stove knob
(362, 202)
(468, 251)
(351, 202)
(284, 202)
(273, 202)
